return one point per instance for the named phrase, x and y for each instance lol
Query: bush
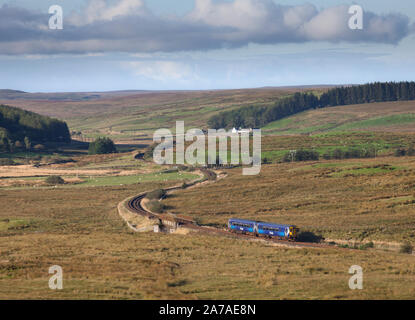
(367, 245)
(406, 248)
(338, 154)
(102, 146)
(156, 194)
(155, 206)
(301, 155)
(400, 152)
(266, 161)
(54, 180)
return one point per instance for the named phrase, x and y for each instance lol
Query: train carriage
(264, 229)
(241, 226)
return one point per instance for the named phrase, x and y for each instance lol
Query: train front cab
(273, 230)
(294, 231)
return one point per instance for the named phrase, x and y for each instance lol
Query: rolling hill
(132, 114)
(396, 116)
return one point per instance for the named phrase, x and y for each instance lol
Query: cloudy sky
(202, 44)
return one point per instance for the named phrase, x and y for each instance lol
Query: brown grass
(102, 259)
(365, 199)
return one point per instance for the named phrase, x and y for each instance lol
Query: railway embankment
(134, 221)
(139, 218)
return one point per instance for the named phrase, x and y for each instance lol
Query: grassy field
(275, 146)
(395, 117)
(102, 259)
(362, 199)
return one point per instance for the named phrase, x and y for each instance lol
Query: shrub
(400, 152)
(156, 194)
(338, 154)
(406, 248)
(366, 245)
(155, 206)
(102, 146)
(148, 154)
(301, 155)
(327, 156)
(266, 161)
(54, 180)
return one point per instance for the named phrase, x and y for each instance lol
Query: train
(264, 229)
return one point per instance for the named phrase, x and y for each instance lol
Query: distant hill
(128, 114)
(7, 94)
(17, 124)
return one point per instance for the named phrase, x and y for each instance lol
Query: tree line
(19, 126)
(259, 116)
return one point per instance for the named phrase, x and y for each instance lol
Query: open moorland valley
(79, 189)
(207, 157)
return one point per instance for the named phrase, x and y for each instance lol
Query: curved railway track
(134, 205)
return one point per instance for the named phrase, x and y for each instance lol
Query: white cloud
(128, 26)
(161, 70)
(99, 10)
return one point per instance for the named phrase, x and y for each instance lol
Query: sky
(202, 44)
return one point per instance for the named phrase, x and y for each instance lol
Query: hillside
(396, 116)
(256, 116)
(19, 125)
(128, 116)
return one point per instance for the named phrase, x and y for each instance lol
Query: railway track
(134, 205)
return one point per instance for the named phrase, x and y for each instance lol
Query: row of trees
(18, 126)
(8, 145)
(258, 116)
(338, 153)
(401, 152)
(368, 93)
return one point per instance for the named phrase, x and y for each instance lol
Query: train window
(241, 225)
(270, 229)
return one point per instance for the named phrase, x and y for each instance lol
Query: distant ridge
(8, 94)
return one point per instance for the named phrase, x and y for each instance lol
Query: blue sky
(164, 44)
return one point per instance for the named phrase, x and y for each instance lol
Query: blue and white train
(265, 229)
